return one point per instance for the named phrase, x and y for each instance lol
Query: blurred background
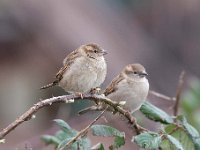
(35, 36)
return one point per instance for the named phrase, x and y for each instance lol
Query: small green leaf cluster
(67, 133)
(64, 135)
(177, 133)
(175, 136)
(190, 103)
(107, 131)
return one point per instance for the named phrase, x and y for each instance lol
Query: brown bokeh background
(35, 36)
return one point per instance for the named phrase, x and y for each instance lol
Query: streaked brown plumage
(130, 86)
(83, 69)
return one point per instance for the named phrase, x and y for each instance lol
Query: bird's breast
(82, 75)
(133, 93)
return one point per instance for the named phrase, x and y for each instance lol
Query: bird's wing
(113, 85)
(68, 61)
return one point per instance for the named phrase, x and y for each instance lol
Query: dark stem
(178, 92)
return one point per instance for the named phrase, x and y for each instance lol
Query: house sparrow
(83, 69)
(131, 86)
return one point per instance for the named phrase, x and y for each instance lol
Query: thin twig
(178, 92)
(83, 131)
(162, 96)
(175, 129)
(91, 108)
(69, 99)
(78, 146)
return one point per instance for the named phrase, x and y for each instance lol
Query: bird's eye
(135, 72)
(95, 51)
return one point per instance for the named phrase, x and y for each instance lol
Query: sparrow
(83, 69)
(130, 87)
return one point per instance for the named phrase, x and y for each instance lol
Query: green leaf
(48, 139)
(61, 135)
(107, 131)
(65, 141)
(65, 127)
(119, 141)
(191, 132)
(148, 140)
(64, 136)
(166, 145)
(197, 143)
(154, 113)
(180, 135)
(104, 130)
(83, 143)
(174, 142)
(169, 128)
(98, 146)
(191, 102)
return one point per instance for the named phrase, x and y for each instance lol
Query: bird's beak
(143, 74)
(104, 52)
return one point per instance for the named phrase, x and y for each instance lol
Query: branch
(178, 92)
(162, 96)
(83, 131)
(69, 99)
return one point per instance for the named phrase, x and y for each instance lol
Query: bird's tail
(49, 85)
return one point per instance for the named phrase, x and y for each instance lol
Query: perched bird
(131, 86)
(83, 69)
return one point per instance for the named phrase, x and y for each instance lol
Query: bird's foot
(95, 90)
(79, 94)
